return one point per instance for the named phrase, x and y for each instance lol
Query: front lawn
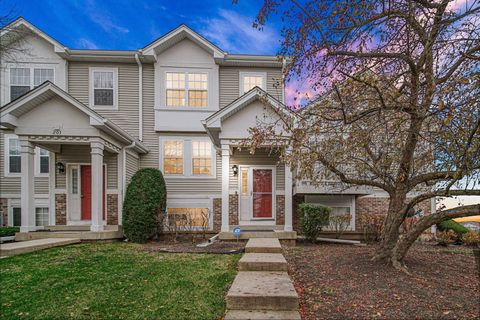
(341, 282)
(114, 281)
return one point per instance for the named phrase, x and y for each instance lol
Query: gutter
(140, 98)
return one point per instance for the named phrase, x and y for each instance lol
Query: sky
(132, 24)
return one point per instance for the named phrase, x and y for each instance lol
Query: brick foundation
(60, 209)
(112, 209)
(233, 209)
(296, 201)
(217, 214)
(280, 214)
(4, 211)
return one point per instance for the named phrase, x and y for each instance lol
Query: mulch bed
(185, 245)
(341, 282)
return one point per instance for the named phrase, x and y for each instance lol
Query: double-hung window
(186, 89)
(250, 80)
(43, 161)
(187, 156)
(24, 79)
(103, 88)
(173, 157)
(14, 158)
(41, 217)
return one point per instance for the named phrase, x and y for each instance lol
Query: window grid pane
(74, 181)
(201, 157)
(42, 75)
(175, 98)
(184, 89)
(173, 157)
(15, 159)
(249, 82)
(41, 216)
(20, 77)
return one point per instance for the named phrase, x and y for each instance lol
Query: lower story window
(188, 217)
(41, 217)
(17, 216)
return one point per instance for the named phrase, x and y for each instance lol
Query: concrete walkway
(14, 248)
(262, 289)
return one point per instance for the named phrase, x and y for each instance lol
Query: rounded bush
(452, 225)
(144, 204)
(313, 218)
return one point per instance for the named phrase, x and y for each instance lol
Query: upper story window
(13, 158)
(250, 80)
(24, 79)
(187, 156)
(103, 88)
(186, 89)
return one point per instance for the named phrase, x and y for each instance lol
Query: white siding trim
(242, 75)
(91, 70)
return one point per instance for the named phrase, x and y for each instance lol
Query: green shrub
(8, 231)
(452, 225)
(144, 205)
(472, 239)
(313, 219)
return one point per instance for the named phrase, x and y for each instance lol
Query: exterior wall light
(235, 169)
(60, 167)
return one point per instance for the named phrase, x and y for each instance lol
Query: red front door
(262, 193)
(86, 178)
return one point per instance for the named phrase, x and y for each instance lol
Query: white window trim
(32, 68)
(91, 70)
(242, 75)
(187, 157)
(39, 203)
(187, 89)
(7, 172)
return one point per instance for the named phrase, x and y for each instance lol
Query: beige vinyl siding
(261, 157)
(150, 137)
(81, 154)
(131, 166)
(12, 185)
(230, 82)
(127, 114)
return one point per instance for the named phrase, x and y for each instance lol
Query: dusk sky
(127, 24)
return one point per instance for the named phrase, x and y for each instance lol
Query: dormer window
(186, 89)
(250, 80)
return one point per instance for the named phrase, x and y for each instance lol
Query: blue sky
(131, 24)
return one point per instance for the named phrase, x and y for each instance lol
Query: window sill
(13, 175)
(182, 177)
(103, 108)
(186, 109)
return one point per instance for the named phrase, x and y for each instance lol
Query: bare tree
(399, 109)
(12, 37)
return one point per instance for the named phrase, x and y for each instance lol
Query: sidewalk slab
(263, 245)
(14, 248)
(262, 262)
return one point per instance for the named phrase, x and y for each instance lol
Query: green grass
(114, 281)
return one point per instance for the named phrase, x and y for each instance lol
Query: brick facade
(217, 214)
(233, 209)
(296, 201)
(280, 210)
(112, 209)
(61, 209)
(4, 211)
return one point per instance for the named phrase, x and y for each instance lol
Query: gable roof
(213, 123)
(20, 23)
(177, 35)
(46, 91)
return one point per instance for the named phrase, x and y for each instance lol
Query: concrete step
(261, 290)
(262, 262)
(14, 248)
(79, 228)
(261, 315)
(257, 227)
(263, 245)
(82, 235)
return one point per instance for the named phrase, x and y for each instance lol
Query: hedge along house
(77, 124)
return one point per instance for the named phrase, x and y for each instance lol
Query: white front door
(257, 194)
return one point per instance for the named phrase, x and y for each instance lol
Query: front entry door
(86, 188)
(256, 194)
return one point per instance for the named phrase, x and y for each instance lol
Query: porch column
(96, 146)
(225, 186)
(27, 185)
(288, 199)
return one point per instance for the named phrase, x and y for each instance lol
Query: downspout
(140, 97)
(121, 195)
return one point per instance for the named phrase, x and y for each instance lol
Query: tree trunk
(405, 242)
(391, 226)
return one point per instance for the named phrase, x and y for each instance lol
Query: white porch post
(96, 146)
(288, 199)
(225, 186)
(27, 185)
